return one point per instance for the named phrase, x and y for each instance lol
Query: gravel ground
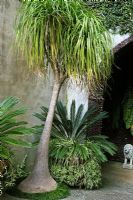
(106, 193)
(117, 185)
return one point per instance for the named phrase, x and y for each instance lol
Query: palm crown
(66, 34)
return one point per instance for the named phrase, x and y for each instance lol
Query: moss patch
(61, 192)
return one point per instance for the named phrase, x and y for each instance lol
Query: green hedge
(85, 175)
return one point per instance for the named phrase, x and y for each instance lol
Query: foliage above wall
(116, 14)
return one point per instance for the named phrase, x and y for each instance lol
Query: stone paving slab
(115, 193)
(117, 185)
(100, 195)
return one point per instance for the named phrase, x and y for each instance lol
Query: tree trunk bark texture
(40, 180)
(96, 99)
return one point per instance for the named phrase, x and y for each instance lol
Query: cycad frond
(102, 146)
(10, 126)
(77, 125)
(71, 135)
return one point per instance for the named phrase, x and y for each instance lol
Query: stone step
(115, 174)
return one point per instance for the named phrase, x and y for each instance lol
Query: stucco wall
(15, 78)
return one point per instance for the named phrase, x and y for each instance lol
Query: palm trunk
(40, 179)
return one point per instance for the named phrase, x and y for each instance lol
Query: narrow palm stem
(40, 179)
(42, 152)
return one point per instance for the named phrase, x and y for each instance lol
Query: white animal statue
(128, 154)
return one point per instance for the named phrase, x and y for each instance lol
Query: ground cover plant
(75, 155)
(75, 170)
(71, 39)
(13, 174)
(61, 192)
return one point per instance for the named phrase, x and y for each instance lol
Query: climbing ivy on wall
(115, 14)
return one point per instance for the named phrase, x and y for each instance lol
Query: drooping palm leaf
(66, 36)
(11, 126)
(102, 146)
(64, 33)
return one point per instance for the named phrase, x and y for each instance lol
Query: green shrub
(10, 128)
(85, 175)
(12, 174)
(76, 156)
(74, 164)
(76, 127)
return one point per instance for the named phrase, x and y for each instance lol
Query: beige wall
(15, 79)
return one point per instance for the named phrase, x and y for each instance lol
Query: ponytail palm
(67, 36)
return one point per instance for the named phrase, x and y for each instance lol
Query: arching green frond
(11, 127)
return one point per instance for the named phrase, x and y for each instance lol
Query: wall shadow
(122, 77)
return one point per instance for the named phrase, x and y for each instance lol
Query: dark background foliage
(115, 14)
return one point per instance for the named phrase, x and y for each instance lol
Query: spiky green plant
(11, 126)
(74, 125)
(71, 130)
(75, 155)
(68, 37)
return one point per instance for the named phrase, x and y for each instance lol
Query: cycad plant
(67, 36)
(75, 163)
(11, 127)
(75, 155)
(74, 128)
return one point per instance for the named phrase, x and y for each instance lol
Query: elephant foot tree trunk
(40, 180)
